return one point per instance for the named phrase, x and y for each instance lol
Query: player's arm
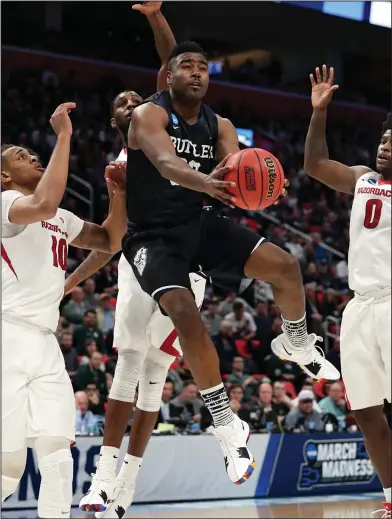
(163, 36)
(108, 236)
(227, 139)
(43, 204)
(317, 163)
(147, 132)
(94, 262)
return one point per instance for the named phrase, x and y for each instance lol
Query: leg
(55, 464)
(366, 379)
(14, 402)
(51, 428)
(12, 467)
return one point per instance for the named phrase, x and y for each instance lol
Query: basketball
(258, 176)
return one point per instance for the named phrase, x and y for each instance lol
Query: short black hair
(189, 383)
(186, 46)
(89, 311)
(387, 124)
(113, 103)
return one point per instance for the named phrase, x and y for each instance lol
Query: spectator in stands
(263, 323)
(328, 303)
(88, 330)
(90, 347)
(186, 406)
(225, 346)
(304, 416)
(105, 313)
(164, 414)
(281, 402)
(262, 415)
(308, 386)
(236, 396)
(226, 305)
(63, 326)
(76, 307)
(85, 419)
(90, 297)
(69, 354)
(96, 403)
(242, 322)
(277, 369)
(240, 377)
(335, 402)
(212, 319)
(311, 273)
(92, 374)
(106, 279)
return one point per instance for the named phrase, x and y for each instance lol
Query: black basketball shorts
(212, 244)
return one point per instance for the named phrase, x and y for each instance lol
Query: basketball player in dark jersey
(174, 142)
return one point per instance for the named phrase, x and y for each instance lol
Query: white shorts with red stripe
(365, 350)
(139, 321)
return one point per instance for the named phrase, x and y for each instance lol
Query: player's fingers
(66, 107)
(286, 182)
(138, 7)
(222, 184)
(334, 87)
(331, 76)
(325, 74)
(318, 75)
(284, 192)
(223, 162)
(221, 171)
(312, 81)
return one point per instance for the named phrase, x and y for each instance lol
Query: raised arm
(334, 174)
(163, 36)
(44, 202)
(108, 236)
(147, 132)
(94, 262)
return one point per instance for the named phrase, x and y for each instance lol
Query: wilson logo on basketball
(272, 176)
(250, 181)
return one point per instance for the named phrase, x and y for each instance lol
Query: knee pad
(152, 379)
(55, 495)
(126, 375)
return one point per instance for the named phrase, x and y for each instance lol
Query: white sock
(296, 331)
(107, 464)
(217, 403)
(387, 492)
(130, 469)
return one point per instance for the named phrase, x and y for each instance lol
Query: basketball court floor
(359, 506)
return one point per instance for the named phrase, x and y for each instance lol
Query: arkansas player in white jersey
(365, 341)
(38, 408)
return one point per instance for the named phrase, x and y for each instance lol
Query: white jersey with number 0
(34, 262)
(369, 259)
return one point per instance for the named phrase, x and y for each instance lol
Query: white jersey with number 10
(369, 259)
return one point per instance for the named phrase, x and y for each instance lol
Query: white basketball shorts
(365, 350)
(139, 321)
(37, 395)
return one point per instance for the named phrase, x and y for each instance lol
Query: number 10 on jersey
(59, 251)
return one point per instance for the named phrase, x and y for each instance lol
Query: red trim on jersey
(380, 182)
(125, 151)
(6, 258)
(167, 345)
(348, 401)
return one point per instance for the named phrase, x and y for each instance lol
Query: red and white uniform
(139, 321)
(37, 396)
(366, 324)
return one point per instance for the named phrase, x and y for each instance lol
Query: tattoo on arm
(93, 237)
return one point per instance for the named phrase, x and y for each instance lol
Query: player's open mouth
(40, 169)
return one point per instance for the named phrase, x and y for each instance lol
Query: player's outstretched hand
(322, 87)
(60, 121)
(147, 8)
(216, 187)
(115, 177)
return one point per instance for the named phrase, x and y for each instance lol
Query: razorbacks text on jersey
(153, 201)
(34, 262)
(369, 259)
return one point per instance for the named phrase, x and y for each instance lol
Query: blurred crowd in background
(311, 223)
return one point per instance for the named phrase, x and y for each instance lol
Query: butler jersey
(34, 262)
(155, 202)
(369, 259)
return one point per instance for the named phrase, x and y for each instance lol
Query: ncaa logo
(311, 452)
(174, 119)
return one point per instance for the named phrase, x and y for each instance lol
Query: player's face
(189, 77)
(123, 106)
(384, 162)
(21, 169)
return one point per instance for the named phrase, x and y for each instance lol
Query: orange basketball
(258, 176)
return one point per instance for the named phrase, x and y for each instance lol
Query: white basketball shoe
(122, 500)
(239, 460)
(99, 496)
(310, 358)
